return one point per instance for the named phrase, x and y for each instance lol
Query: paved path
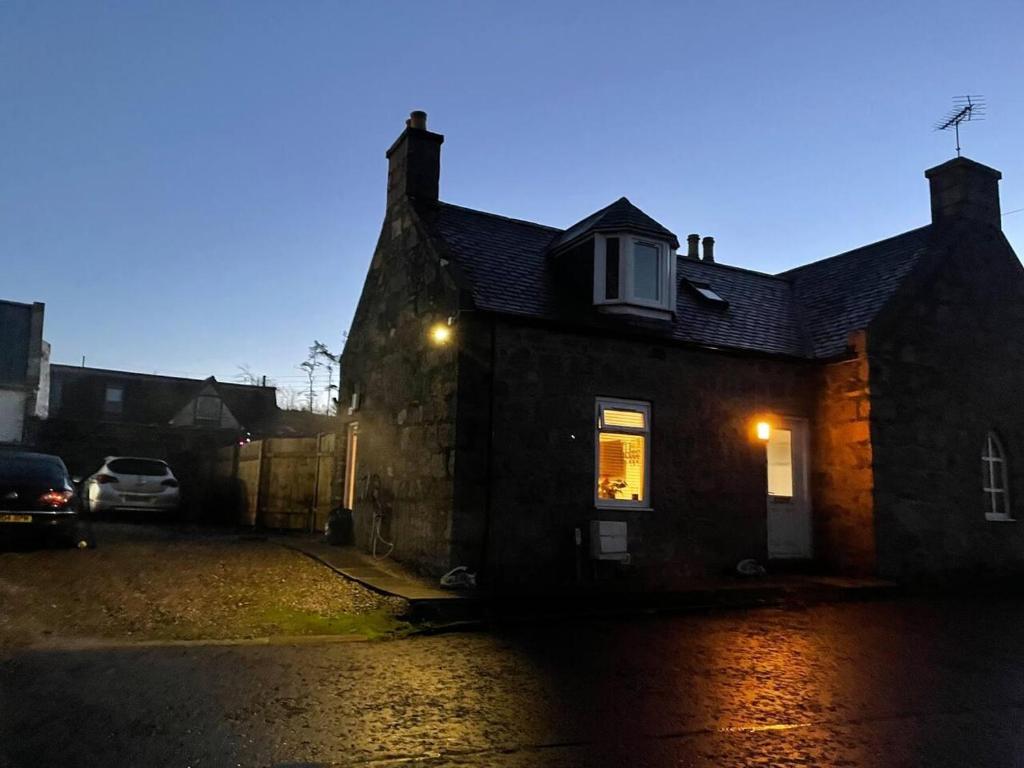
(866, 684)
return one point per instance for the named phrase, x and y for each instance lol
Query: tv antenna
(965, 109)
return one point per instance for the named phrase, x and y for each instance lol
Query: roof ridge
(217, 381)
(500, 216)
(683, 257)
(785, 273)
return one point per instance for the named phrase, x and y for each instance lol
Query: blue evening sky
(194, 186)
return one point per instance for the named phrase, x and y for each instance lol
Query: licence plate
(15, 518)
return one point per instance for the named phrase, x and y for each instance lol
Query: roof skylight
(706, 292)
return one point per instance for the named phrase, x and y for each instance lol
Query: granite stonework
(708, 474)
(842, 475)
(481, 451)
(947, 366)
(406, 385)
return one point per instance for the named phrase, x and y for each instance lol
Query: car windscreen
(32, 469)
(150, 467)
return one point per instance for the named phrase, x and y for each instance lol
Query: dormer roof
(620, 216)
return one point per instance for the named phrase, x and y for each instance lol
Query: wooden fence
(283, 482)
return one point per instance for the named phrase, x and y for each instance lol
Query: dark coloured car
(37, 496)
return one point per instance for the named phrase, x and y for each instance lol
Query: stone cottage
(598, 405)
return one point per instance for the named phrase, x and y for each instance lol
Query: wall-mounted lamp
(763, 430)
(440, 334)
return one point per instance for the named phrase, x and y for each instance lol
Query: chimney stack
(414, 162)
(709, 249)
(692, 244)
(962, 189)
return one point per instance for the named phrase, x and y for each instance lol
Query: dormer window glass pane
(645, 271)
(611, 268)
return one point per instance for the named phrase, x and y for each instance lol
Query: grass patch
(375, 625)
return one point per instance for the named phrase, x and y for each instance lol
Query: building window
(780, 464)
(208, 410)
(634, 271)
(611, 268)
(993, 468)
(113, 400)
(623, 454)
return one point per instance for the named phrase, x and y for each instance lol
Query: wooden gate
(283, 482)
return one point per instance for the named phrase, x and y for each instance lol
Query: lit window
(633, 272)
(623, 454)
(780, 463)
(993, 477)
(113, 400)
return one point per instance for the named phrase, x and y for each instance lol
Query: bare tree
(328, 360)
(288, 398)
(246, 376)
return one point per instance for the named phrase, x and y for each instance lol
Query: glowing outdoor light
(764, 430)
(440, 334)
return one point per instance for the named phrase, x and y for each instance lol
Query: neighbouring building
(589, 405)
(95, 413)
(24, 368)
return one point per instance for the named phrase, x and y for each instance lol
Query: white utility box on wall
(608, 540)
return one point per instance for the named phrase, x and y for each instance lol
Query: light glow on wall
(440, 334)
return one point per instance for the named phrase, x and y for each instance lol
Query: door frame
(800, 429)
(348, 498)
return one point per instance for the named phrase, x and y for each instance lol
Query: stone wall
(947, 365)
(708, 484)
(842, 476)
(406, 386)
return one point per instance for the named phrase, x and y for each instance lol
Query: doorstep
(425, 600)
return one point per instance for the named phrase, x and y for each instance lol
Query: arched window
(993, 468)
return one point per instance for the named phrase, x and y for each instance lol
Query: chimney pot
(709, 249)
(692, 246)
(417, 119)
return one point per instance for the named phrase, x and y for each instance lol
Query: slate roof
(805, 312)
(620, 216)
(843, 293)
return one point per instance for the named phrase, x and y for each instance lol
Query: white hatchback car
(126, 482)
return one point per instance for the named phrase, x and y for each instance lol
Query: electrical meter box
(608, 540)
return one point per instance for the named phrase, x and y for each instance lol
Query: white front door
(789, 503)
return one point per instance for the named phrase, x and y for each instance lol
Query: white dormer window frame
(626, 298)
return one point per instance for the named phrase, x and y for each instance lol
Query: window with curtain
(623, 453)
(993, 479)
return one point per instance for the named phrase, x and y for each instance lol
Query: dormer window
(633, 272)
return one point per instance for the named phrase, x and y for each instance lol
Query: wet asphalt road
(887, 684)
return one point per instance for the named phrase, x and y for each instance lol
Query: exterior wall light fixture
(440, 334)
(763, 430)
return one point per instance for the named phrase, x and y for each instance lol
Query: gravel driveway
(163, 583)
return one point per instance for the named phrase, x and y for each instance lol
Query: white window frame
(627, 243)
(995, 484)
(609, 403)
